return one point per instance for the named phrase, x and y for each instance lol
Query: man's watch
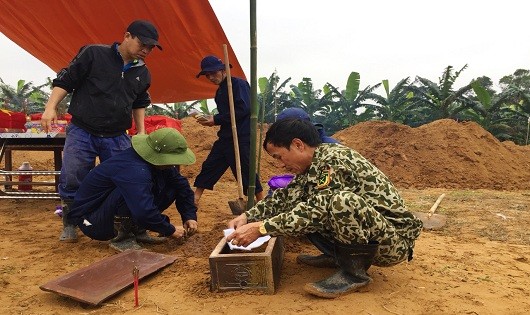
(262, 229)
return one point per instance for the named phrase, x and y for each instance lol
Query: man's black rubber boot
(124, 238)
(126, 244)
(354, 261)
(69, 233)
(143, 236)
(320, 261)
(326, 260)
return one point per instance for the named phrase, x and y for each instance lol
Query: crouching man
(124, 196)
(345, 206)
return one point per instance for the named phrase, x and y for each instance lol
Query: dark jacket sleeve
(72, 77)
(144, 98)
(136, 189)
(185, 201)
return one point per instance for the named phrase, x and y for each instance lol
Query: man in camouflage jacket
(344, 204)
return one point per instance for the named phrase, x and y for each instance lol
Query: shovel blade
(237, 206)
(433, 222)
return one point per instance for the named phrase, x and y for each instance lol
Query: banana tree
(397, 106)
(491, 111)
(349, 106)
(436, 101)
(271, 97)
(306, 97)
(520, 114)
(25, 98)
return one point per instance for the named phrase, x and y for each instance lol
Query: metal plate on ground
(101, 280)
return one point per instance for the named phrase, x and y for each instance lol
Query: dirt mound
(443, 154)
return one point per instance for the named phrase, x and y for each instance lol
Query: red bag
(12, 120)
(155, 122)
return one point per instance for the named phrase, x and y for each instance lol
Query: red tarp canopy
(54, 30)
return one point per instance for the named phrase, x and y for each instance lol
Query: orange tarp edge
(54, 30)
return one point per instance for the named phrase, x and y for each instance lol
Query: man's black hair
(282, 133)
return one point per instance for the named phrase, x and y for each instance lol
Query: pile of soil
(442, 154)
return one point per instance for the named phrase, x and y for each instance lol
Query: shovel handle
(234, 125)
(435, 205)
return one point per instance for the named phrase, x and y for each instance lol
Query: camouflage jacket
(302, 206)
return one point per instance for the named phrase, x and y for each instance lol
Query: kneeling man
(124, 196)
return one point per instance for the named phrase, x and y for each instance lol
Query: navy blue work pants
(222, 157)
(99, 224)
(79, 156)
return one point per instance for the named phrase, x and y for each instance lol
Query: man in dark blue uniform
(222, 154)
(125, 195)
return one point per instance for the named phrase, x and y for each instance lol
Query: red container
(12, 120)
(25, 178)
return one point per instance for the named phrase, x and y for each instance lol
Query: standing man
(125, 195)
(344, 204)
(222, 154)
(109, 85)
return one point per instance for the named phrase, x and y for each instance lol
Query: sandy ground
(478, 263)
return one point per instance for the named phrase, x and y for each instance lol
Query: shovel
(236, 206)
(430, 220)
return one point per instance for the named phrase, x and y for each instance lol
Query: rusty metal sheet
(101, 280)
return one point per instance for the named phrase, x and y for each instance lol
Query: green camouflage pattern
(345, 198)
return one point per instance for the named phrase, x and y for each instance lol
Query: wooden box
(253, 270)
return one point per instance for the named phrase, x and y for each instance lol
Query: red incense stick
(135, 276)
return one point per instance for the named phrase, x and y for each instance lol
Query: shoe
(143, 236)
(124, 244)
(69, 233)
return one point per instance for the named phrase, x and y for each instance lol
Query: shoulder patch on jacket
(324, 178)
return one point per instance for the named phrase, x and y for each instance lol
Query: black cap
(145, 31)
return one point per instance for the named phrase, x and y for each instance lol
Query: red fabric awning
(54, 30)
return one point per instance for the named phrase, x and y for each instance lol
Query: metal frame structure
(7, 145)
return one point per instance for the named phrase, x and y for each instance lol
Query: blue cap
(293, 112)
(211, 64)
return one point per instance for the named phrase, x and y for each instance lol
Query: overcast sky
(386, 39)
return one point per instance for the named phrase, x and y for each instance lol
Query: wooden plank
(101, 280)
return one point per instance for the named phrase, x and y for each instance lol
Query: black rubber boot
(326, 260)
(124, 238)
(69, 233)
(143, 236)
(354, 261)
(320, 261)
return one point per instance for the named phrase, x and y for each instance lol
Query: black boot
(354, 261)
(124, 238)
(326, 260)
(143, 236)
(320, 261)
(69, 233)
